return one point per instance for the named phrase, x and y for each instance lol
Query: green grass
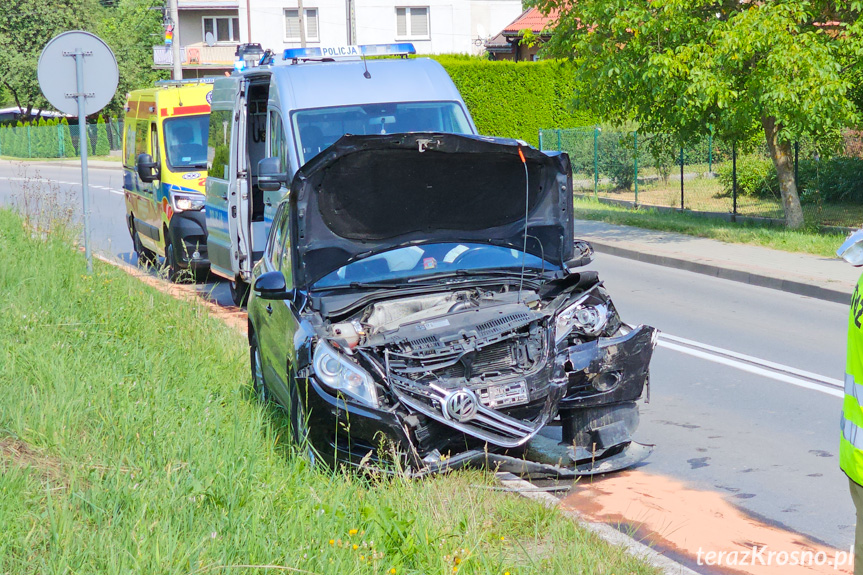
(130, 443)
(809, 242)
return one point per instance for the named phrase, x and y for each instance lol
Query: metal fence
(712, 175)
(57, 140)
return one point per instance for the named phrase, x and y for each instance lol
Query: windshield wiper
(363, 285)
(473, 273)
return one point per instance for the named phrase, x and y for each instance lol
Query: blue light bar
(401, 49)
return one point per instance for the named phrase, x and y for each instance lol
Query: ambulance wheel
(171, 263)
(146, 257)
(239, 292)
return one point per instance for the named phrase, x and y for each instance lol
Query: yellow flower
(362, 557)
(332, 541)
(457, 560)
(503, 538)
(393, 571)
(356, 546)
(353, 532)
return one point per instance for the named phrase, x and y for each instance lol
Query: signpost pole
(82, 145)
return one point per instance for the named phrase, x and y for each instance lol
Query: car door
(160, 202)
(284, 316)
(268, 329)
(221, 171)
(146, 216)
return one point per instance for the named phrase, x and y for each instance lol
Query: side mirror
(583, 255)
(271, 285)
(852, 249)
(270, 178)
(147, 169)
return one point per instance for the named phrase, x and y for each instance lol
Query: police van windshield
(186, 142)
(317, 129)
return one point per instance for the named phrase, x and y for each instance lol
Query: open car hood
(368, 194)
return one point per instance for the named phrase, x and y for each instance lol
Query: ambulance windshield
(186, 142)
(317, 129)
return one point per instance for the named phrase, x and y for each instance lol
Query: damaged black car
(422, 303)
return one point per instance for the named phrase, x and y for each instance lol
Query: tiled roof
(530, 18)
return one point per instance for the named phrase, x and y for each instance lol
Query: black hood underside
(368, 194)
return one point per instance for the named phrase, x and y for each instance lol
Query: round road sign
(58, 72)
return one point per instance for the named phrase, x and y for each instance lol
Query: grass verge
(804, 241)
(130, 442)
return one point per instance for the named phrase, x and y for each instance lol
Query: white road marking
(754, 365)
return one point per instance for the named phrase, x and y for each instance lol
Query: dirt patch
(234, 316)
(675, 516)
(16, 453)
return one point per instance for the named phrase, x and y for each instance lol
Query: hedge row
(831, 180)
(516, 99)
(51, 138)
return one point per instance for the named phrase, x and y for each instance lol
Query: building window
(412, 22)
(223, 29)
(292, 24)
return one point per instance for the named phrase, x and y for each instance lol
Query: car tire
(239, 292)
(173, 270)
(257, 368)
(146, 257)
(299, 423)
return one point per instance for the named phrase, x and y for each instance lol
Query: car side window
(278, 142)
(129, 142)
(276, 243)
(219, 144)
(286, 249)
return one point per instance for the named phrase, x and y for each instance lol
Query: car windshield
(428, 260)
(317, 129)
(186, 142)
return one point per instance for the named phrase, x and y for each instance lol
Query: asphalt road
(770, 446)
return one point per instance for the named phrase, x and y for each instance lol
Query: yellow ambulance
(164, 173)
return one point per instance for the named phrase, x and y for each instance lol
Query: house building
(209, 30)
(433, 26)
(208, 34)
(506, 45)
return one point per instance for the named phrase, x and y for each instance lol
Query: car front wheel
(257, 367)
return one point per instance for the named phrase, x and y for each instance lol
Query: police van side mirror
(270, 176)
(147, 169)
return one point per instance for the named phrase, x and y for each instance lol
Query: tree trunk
(783, 160)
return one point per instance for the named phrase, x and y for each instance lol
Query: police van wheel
(146, 257)
(239, 292)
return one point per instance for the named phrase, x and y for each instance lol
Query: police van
(271, 119)
(164, 173)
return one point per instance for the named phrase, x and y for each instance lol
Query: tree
(68, 145)
(782, 67)
(130, 28)
(25, 29)
(101, 148)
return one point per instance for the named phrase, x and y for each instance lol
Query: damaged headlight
(589, 315)
(337, 372)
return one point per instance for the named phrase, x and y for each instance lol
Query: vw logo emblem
(460, 405)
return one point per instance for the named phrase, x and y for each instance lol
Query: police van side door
(221, 180)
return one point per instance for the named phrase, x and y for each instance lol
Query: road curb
(790, 286)
(605, 532)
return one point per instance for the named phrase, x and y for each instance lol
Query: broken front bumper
(598, 414)
(596, 405)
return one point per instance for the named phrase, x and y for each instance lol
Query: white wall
(454, 25)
